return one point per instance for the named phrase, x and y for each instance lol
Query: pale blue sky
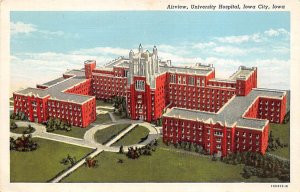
(54, 41)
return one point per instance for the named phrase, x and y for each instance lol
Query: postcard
(149, 95)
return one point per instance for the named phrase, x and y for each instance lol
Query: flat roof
(242, 73)
(197, 70)
(57, 86)
(53, 82)
(223, 80)
(232, 112)
(118, 62)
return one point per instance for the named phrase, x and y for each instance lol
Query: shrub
(121, 149)
(23, 143)
(13, 125)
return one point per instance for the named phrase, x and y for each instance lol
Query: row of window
(182, 80)
(230, 85)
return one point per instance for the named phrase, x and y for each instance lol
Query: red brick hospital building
(222, 115)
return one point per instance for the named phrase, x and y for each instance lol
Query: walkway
(88, 140)
(120, 135)
(105, 107)
(112, 117)
(276, 156)
(74, 167)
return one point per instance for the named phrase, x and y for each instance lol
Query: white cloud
(272, 32)
(204, 45)
(103, 51)
(256, 37)
(19, 27)
(234, 39)
(276, 32)
(29, 69)
(57, 33)
(229, 50)
(27, 28)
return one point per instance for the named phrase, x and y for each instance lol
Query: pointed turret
(131, 55)
(140, 48)
(154, 50)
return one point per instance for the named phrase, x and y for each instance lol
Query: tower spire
(140, 48)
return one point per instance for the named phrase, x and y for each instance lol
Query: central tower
(143, 70)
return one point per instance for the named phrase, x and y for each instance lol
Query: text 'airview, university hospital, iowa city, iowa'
(226, 7)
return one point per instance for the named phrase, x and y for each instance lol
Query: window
(179, 79)
(126, 73)
(140, 85)
(218, 133)
(173, 78)
(198, 82)
(184, 80)
(191, 81)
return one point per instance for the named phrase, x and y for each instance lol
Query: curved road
(89, 141)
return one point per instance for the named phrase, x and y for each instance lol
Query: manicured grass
(104, 135)
(20, 130)
(42, 164)
(77, 132)
(117, 116)
(102, 103)
(161, 166)
(102, 118)
(283, 132)
(133, 137)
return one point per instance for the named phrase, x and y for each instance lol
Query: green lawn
(102, 118)
(77, 132)
(282, 131)
(19, 130)
(102, 103)
(44, 163)
(133, 137)
(104, 135)
(162, 166)
(117, 116)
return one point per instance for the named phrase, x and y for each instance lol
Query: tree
(214, 157)
(91, 162)
(12, 145)
(279, 142)
(13, 125)
(176, 144)
(72, 160)
(121, 149)
(23, 143)
(247, 172)
(13, 116)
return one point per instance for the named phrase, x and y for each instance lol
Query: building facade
(66, 98)
(222, 115)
